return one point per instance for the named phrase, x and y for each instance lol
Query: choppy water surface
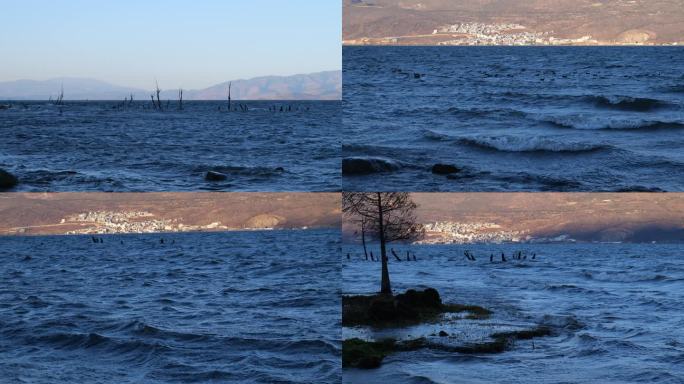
(95, 146)
(515, 118)
(256, 307)
(615, 311)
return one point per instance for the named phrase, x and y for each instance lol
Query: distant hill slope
(607, 21)
(315, 86)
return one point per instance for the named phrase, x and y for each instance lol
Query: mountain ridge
(325, 85)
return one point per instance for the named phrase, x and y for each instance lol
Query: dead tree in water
(390, 217)
(158, 91)
(130, 102)
(180, 99)
(230, 84)
(364, 224)
(60, 98)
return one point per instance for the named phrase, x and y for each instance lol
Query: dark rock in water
(5, 106)
(428, 298)
(369, 362)
(215, 176)
(7, 180)
(365, 166)
(445, 169)
(362, 354)
(385, 308)
(280, 169)
(443, 334)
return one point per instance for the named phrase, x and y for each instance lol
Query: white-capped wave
(530, 144)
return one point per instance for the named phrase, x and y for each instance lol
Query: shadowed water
(515, 118)
(249, 307)
(99, 146)
(614, 309)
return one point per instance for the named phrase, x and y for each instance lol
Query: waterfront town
(448, 232)
(502, 34)
(109, 222)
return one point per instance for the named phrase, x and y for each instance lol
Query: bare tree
(230, 84)
(60, 97)
(363, 224)
(389, 216)
(158, 91)
(180, 99)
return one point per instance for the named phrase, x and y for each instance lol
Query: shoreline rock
(445, 169)
(357, 353)
(215, 176)
(7, 180)
(356, 166)
(408, 308)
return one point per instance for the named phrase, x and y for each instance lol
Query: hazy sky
(190, 44)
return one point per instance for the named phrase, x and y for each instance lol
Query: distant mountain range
(315, 86)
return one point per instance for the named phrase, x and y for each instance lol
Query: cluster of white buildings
(447, 232)
(502, 34)
(106, 216)
(103, 222)
(477, 28)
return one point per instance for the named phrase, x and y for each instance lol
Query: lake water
(219, 307)
(514, 118)
(95, 146)
(614, 309)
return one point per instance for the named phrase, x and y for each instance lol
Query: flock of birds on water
(519, 255)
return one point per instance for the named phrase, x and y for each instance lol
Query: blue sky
(190, 44)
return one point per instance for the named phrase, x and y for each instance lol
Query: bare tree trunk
(385, 287)
(363, 239)
(230, 84)
(158, 91)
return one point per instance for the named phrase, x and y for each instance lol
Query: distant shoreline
(5, 234)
